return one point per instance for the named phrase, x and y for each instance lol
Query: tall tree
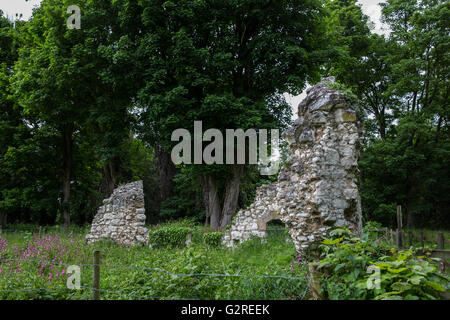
(74, 94)
(401, 81)
(10, 118)
(224, 63)
(112, 83)
(420, 67)
(360, 62)
(50, 83)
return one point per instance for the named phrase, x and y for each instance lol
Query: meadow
(34, 266)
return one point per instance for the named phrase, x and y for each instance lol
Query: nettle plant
(361, 268)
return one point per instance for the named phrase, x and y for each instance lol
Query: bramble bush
(403, 275)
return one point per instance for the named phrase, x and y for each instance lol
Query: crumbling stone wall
(316, 188)
(121, 218)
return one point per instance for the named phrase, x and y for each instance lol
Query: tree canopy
(84, 110)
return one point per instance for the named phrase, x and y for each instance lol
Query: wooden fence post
(96, 278)
(399, 228)
(188, 239)
(386, 231)
(422, 242)
(315, 281)
(392, 236)
(440, 241)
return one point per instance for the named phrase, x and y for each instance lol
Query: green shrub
(372, 229)
(169, 236)
(213, 239)
(402, 275)
(372, 225)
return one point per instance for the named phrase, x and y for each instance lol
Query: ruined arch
(316, 188)
(121, 218)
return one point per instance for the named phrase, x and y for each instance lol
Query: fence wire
(135, 295)
(35, 260)
(35, 289)
(120, 294)
(157, 270)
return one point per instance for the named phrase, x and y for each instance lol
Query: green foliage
(216, 64)
(399, 80)
(351, 99)
(87, 107)
(66, 107)
(399, 169)
(403, 275)
(274, 257)
(213, 239)
(169, 236)
(186, 199)
(372, 225)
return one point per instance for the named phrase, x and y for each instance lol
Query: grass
(276, 256)
(431, 237)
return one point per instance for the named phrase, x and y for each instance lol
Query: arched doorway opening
(277, 230)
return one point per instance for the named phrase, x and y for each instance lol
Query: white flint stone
(120, 223)
(316, 181)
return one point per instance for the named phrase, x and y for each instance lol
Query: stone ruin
(316, 187)
(121, 218)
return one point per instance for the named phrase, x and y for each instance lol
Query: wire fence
(128, 294)
(154, 269)
(92, 289)
(98, 289)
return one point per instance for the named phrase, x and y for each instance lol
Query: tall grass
(272, 256)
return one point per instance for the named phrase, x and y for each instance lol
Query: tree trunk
(362, 178)
(409, 217)
(110, 177)
(438, 129)
(220, 217)
(67, 139)
(410, 191)
(230, 203)
(212, 201)
(382, 130)
(3, 219)
(414, 101)
(166, 172)
(206, 200)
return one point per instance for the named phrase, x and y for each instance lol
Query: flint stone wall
(316, 188)
(121, 218)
